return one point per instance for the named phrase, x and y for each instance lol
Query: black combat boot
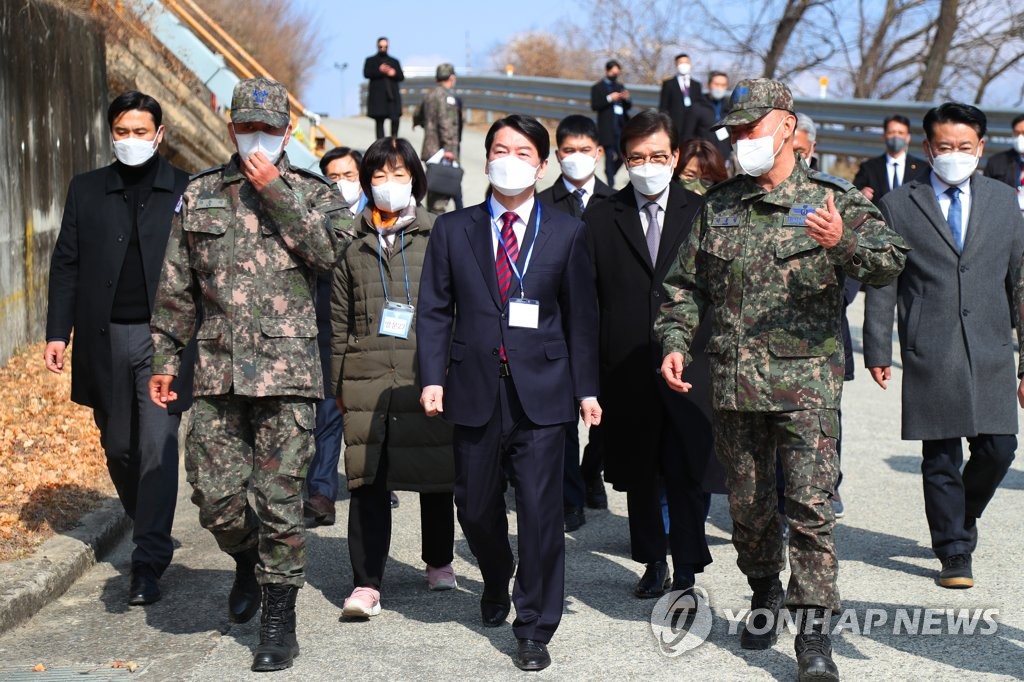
(814, 647)
(278, 646)
(244, 598)
(761, 629)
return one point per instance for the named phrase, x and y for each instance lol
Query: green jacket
(776, 294)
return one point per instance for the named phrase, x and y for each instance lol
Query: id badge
(687, 101)
(523, 312)
(396, 320)
(1020, 197)
(618, 110)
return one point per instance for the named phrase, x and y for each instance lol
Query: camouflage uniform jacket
(777, 294)
(440, 123)
(248, 260)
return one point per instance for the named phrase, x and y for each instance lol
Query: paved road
(605, 633)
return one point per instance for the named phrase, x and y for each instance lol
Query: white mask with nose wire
(756, 156)
(249, 143)
(510, 175)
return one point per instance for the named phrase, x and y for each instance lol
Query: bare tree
(643, 35)
(543, 54)
(935, 61)
(988, 50)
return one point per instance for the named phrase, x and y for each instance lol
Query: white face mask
(134, 151)
(578, 166)
(250, 143)
(955, 167)
(392, 196)
(1018, 144)
(650, 178)
(350, 191)
(718, 93)
(756, 156)
(683, 69)
(510, 175)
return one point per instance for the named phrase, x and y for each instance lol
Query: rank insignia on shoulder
(842, 183)
(725, 221)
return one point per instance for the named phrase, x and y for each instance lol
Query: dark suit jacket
(382, 97)
(709, 117)
(1005, 167)
(671, 102)
(955, 314)
(608, 124)
(634, 397)
(875, 174)
(461, 320)
(86, 264)
(557, 196)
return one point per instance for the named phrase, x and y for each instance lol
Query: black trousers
(593, 456)
(380, 125)
(681, 461)
(369, 528)
(532, 455)
(951, 497)
(140, 441)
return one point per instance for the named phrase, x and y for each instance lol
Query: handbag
(444, 178)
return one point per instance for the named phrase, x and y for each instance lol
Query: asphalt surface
(885, 559)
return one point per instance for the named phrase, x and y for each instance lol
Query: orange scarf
(379, 221)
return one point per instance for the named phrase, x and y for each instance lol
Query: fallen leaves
(39, 668)
(131, 666)
(52, 467)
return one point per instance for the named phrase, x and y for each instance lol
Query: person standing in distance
(881, 174)
(103, 279)
(245, 246)
(383, 100)
(768, 259)
(507, 329)
(610, 99)
(441, 128)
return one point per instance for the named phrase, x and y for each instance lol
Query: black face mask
(382, 50)
(612, 78)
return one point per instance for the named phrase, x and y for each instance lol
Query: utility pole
(344, 98)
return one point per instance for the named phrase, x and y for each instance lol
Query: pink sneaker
(362, 603)
(441, 578)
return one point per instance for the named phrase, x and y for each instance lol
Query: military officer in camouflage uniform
(246, 243)
(441, 128)
(769, 256)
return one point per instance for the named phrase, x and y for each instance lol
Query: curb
(30, 584)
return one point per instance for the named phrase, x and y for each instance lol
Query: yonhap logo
(681, 620)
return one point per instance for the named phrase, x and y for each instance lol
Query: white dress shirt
(588, 188)
(519, 227)
(661, 201)
(939, 186)
(901, 166)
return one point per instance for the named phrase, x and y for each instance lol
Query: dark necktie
(579, 198)
(653, 230)
(895, 174)
(954, 218)
(503, 261)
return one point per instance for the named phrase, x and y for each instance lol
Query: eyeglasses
(634, 160)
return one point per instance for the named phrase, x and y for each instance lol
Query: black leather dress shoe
(653, 582)
(574, 518)
(531, 655)
(596, 497)
(494, 610)
(144, 587)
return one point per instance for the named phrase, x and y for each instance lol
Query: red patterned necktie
(503, 261)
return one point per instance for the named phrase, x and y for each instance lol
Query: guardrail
(846, 127)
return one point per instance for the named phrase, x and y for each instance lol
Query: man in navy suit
(507, 322)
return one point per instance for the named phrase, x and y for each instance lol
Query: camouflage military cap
(753, 98)
(445, 71)
(260, 100)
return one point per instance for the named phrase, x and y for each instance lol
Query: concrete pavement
(886, 564)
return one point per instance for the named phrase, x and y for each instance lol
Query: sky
(422, 33)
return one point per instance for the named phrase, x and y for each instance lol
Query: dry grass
(52, 468)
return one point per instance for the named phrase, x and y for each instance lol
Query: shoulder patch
(839, 182)
(208, 171)
(312, 175)
(177, 208)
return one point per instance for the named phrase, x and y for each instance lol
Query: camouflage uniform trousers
(240, 445)
(746, 444)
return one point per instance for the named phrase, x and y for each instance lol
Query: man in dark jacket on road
(383, 101)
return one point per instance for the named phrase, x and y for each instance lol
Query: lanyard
(380, 263)
(529, 253)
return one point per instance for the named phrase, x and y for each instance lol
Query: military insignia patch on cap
(259, 96)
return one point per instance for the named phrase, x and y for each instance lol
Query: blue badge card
(396, 320)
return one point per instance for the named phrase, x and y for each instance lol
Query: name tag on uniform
(798, 215)
(687, 101)
(617, 109)
(725, 221)
(523, 312)
(212, 203)
(396, 320)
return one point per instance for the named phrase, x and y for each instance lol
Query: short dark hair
(1016, 120)
(680, 56)
(710, 164)
(132, 101)
(384, 38)
(575, 125)
(647, 123)
(387, 151)
(955, 112)
(611, 63)
(336, 153)
(528, 126)
(895, 118)
(715, 74)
